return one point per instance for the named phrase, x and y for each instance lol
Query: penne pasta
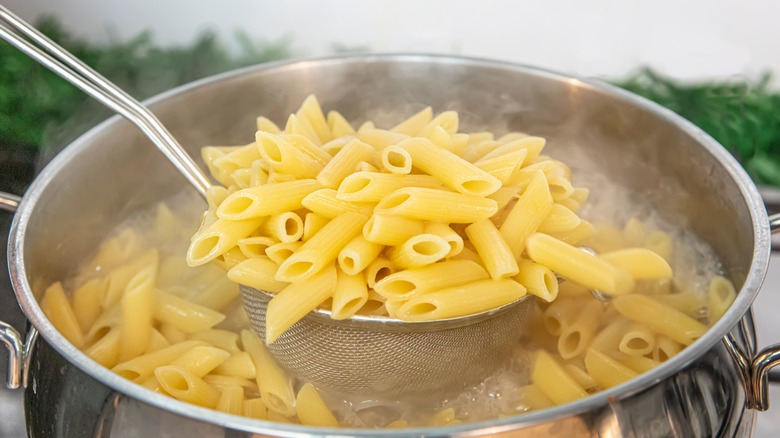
(407, 283)
(436, 205)
(275, 387)
(257, 273)
(296, 300)
(467, 299)
(325, 202)
(265, 200)
(492, 249)
(358, 254)
(344, 163)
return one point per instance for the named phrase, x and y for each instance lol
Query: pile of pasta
(377, 222)
(417, 222)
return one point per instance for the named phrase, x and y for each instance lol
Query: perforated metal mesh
(371, 359)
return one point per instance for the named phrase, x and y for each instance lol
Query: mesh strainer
(379, 356)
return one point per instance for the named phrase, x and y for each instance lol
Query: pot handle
(755, 372)
(19, 351)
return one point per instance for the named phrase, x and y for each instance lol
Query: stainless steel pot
(712, 388)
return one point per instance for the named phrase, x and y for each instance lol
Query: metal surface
(9, 202)
(384, 357)
(70, 68)
(89, 188)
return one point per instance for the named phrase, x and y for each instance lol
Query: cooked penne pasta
(137, 309)
(325, 202)
(492, 249)
(720, 295)
(183, 314)
(339, 126)
(218, 238)
(436, 205)
(553, 380)
(661, 318)
(59, 311)
(560, 220)
(448, 234)
(607, 371)
(391, 230)
(466, 299)
(577, 335)
(344, 163)
(312, 411)
(275, 387)
(414, 124)
(533, 206)
(419, 250)
(186, 387)
(237, 365)
(265, 124)
(284, 227)
(257, 273)
(538, 279)
(140, 368)
(641, 263)
(373, 187)
(255, 246)
(379, 269)
(265, 200)
(358, 254)
(350, 294)
(296, 300)
(407, 283)
(638, 340)
(279, 252)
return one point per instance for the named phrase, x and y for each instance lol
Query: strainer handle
(19, 349)
(14, 30)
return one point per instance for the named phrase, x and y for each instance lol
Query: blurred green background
(40, 113)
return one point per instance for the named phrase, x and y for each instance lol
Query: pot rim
(753, 281)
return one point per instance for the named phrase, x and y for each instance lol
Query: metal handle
(755, 372)
(70, 68)
(19, 351)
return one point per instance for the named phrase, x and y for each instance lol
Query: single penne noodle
(279, 252)
(312, 411)
(57, 308)
(531, 209)
(414, 124)
(238, 365)
(140, 368)
(534, 398)
(218, 238)
(448, 120)
(300, 127)
(560, 220)
(137, 310)
(255, 408)
(257, 273)
(538, 279)
(339, 126)
(641, 263)
(492, 249)
(396, 160)
(578, 234)
(640, 364)
(284, 227)
(109, 319)
(322, 249)
(660, 243)
(255, 246)
(265, 200)
(448, 234)
(577, 265)
(312, 224)
(436, 205)
(358, 254)
(344, 163)
(693, 304)
(337, 144)
(222, 339)
(166, 225)
(379, 269)
(274, 385)
(634, 232)
(665, 349)
(379, 138)
(326, 203)
(229, 259)
(373, 187)
(183, 314)
(503, 166)
(201, 360)
(419, 250)
(296, 300)
(720, 295)
(450, 169)
(350, 294)
(86, 302)
(119, 277)
(659, 317)
(312, 112)
(581, 377)
(391, 230)
(465, 299)
(407, 283)
(265, 124)
(531, 145)
(459, 143)
(576, 337)
(222, 382)
(186, 387)
(560, 187)
(392, 306)
(231, 400)
(638, 340)
(258, 175)
(607, 371)
(553, 380)
(105, 350)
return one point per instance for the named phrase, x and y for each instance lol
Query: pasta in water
(416, 222)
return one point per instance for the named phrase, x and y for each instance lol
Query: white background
(685, 38)
(689, 39)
